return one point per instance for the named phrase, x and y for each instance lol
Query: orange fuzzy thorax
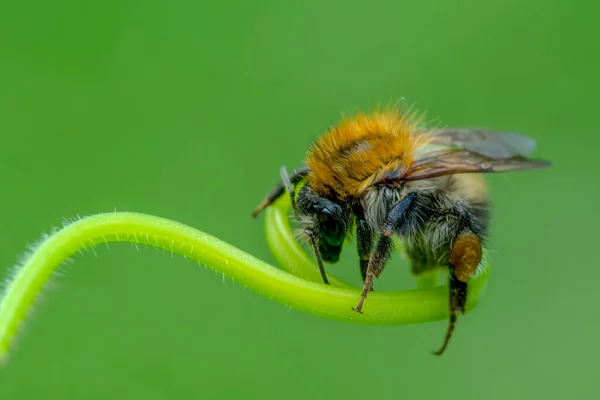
(358, 152)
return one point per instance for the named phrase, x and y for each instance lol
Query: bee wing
(484, 141)
(449, 162)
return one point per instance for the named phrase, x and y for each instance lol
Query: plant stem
(300, 290)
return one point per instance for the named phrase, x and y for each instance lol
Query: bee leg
(377, 262)
(365, 245)
(364, 241)
(458, 298)
(279, 189)
(402, 216)
(464, 257)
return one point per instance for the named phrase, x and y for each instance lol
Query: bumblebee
(384, 174)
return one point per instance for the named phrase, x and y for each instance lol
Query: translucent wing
(449, 162)
(485, 142)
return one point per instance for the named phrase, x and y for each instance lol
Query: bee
(384, 174)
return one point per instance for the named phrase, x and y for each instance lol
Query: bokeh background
(187, 109)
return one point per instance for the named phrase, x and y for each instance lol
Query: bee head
(324, 219)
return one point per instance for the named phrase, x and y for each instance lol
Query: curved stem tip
(296, 284)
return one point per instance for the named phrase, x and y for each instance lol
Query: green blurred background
(187, 109)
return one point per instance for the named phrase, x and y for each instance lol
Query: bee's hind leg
(464, 257)
(457, 300)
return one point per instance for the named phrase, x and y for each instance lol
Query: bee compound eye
(326, 213)
(325, 216)
(331, 229)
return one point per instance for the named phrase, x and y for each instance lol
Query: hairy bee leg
(364, 236)
(401, 216)
(365, 291)
(464, 258)
(379, 258)
(465, 251)
(279, 189)
(364, 245)
(457, 301)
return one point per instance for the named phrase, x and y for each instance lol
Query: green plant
(297, 284)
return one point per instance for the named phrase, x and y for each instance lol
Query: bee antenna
(288, 185)
(279, 189)
(313, 242)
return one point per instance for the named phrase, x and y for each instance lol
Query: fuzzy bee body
(429, 231)
(386, 175)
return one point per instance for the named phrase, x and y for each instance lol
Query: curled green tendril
(296, 285)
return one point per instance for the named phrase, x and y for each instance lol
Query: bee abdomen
(429, 243)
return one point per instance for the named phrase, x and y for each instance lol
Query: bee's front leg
(464, 257)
